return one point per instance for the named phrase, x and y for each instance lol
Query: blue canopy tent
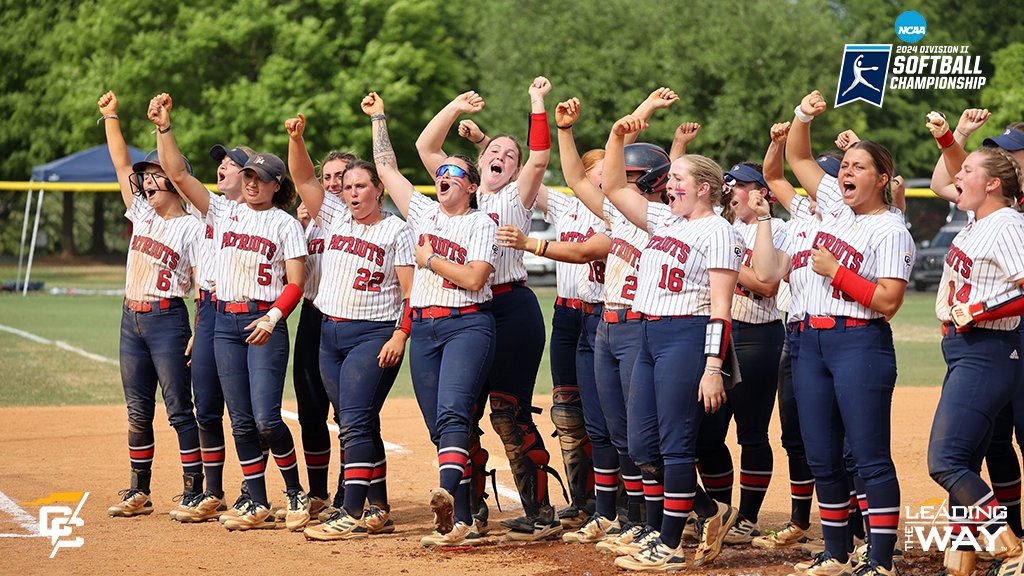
(88, 166)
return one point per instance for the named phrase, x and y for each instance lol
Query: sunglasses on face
(451, 170)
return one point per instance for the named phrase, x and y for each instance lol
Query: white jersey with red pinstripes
(252, 247)
(462, 239)
(358, 278)
(207, 251)
(674, 278)
(800, 232)
(573, 222)
(506, 208)
(746, 305)
(984, 262)
(315, 247)
(623, 260)
(161, 253)
(871, 245)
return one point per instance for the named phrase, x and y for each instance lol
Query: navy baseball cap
(238, 155)
(829, 164)
(153, 159)
(744, 173)
(1010, 140)
(269, 167)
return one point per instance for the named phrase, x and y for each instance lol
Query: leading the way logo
(862, 77)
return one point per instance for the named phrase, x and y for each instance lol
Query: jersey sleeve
(778, 233)
(800, 208)
(656, 213)
(419, 206)
(1007, 250)
(330, 209)
(293, 239)
(219, 206)
(481, 241)
(894, 255)
(725, 248)
(404, 251)
(829, 196)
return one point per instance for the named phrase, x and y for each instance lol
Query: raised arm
(117, 147)
(632, 205)
(171, 159)
(658, 100)
(685, 133)
(539, 141)
(431, 140)
(398, 186)
(300, 165)
(774, 167)
(593, 248)
(470, 131)
(566, 114)
(798, 148)
(768, 263)
(942, 180)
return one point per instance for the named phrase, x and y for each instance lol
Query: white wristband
(805, 118)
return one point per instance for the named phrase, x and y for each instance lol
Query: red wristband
(405, 322)
(856, 286)
(946, 140)
(288, 299)
(540, 137)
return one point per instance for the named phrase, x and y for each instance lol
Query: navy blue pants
(844, 383)
(982, 375)
(152, 350)
(607, 465)
(801, 481)
(357, 387)
(312, 400)
(449, 359)
(252, 378)
(209, 397)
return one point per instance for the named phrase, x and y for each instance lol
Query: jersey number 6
(163, 280)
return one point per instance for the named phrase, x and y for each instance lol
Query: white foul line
(26, 521)
(504, 491)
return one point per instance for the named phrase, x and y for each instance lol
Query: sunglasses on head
(452, 170)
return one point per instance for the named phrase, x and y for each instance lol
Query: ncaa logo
(863, 74)
(910, 26)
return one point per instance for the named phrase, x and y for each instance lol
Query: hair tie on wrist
(378, 117)
(482, 138)
(106, 116)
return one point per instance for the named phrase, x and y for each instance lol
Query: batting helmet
(652, 161)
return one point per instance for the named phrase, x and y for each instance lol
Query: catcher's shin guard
(527, 456)
(567, 416)
(478, 478)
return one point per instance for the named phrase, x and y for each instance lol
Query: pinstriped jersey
(206, 252)
(358, 279)
(674, 277)
(799, 233)
(462, 239)
(505, 208)
(984, 262)
(620, 272)
(161, 253)
(829, 196)
(871, 245)
(575, 223)
(746, 305)
(252, 247)
(315, 247)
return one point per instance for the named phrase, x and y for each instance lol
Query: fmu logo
(863, 74)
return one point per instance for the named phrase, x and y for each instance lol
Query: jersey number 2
(368, 282)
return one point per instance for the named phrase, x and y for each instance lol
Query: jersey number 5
(263, 276)
(368, 282)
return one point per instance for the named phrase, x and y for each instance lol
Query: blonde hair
(706, 171)
(591, 158)
(1002, 166)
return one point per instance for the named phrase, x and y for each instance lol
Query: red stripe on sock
(633, 485)
(606, 479)
(885, 520)
(801, 489)
(139, 454)
(683, 505)
(380, 471)
(757, 480)
(717, 483)
(286, 461)
(215, 456)
(317, 459)
(191, 458)
(358, 473)
(835, 515)
(254, 468)
(654, 490)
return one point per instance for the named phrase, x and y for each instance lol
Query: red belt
(243, 307)
(796, 327)
(443, 311)
(337, 319)
(506, 287)
(144, 306)
(207, 296)
(950, 328)
(574, 303)
(614, 316)
(829, 322)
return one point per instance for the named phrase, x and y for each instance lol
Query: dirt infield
(68, 449)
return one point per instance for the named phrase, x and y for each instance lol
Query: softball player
(206, 388)
(261, 247)
(854, 280)
(686, 279)
(979, 303)
(452, 329)
(367, 256)
(507, 194)
(310, 394)
(154, 319)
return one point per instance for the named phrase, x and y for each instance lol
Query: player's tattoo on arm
(383, 153)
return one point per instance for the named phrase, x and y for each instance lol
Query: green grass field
(42, 374)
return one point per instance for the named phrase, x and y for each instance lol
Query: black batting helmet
(652, 161)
